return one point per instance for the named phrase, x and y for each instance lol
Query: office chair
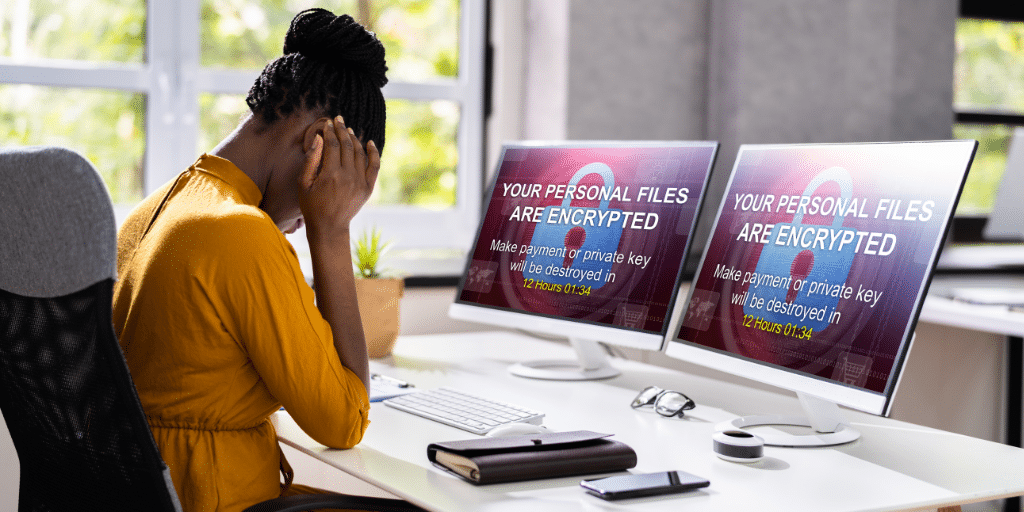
(65, 391)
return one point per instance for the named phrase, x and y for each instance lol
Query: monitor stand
(591, 364)
(822, 415)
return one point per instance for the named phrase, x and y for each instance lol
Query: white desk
(894, 466)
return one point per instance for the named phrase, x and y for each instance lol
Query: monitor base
(591, 364)
(823, 416)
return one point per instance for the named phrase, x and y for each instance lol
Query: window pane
(989, 65)
(219, 115)
(107, 127)
(95, 30)
(420, 155)
(987, 170)
(420, 36)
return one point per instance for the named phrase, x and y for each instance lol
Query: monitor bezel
(794, 380)
(551, 324)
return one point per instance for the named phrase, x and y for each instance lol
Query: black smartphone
(647, 484)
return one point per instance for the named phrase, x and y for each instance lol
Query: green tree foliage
(989, 65)
(93, 30)
(107, 127)
(421, 36)
(989, 76)
(419, 164)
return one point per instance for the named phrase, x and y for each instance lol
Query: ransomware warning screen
(819, 255)
(590, 233)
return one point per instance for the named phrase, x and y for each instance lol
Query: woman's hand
(336, 181)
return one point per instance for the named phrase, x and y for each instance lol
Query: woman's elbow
(343, 433)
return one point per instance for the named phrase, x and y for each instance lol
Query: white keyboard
(461, 410)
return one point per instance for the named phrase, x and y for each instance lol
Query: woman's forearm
(336, 298)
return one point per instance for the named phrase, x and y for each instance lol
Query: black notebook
(532, 457)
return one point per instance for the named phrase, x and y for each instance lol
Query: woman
(213, 313)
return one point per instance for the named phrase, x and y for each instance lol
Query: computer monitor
(1006, 222)
(585, 240)
(814, 275)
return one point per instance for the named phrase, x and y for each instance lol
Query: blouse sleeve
(285, 336)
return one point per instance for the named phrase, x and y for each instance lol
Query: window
(988, 99)
(141, 89)
(61, 86)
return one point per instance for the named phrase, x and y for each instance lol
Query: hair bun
(337, 40)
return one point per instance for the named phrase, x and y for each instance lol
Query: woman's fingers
(373, 165)
(332, 146)
(359, 152)
(362, 161)
(313, 159)
(347, 148)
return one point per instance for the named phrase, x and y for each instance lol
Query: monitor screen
(587, 238)
(818, 263)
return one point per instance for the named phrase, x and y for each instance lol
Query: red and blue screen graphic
(593, 233)
(820, 254)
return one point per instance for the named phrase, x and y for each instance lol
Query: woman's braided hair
(331, 65)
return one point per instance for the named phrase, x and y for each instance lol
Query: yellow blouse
(220, 329)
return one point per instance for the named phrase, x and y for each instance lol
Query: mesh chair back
(65, 391)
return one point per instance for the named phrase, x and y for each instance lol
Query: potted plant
(378, 292)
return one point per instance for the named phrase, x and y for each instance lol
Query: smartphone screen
(648, 484)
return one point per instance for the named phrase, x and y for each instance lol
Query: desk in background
(894, 466)
(939, 309)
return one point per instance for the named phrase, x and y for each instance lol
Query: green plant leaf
(366, 254)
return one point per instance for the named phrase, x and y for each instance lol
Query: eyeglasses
(666, 402)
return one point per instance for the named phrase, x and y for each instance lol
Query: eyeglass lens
(672, 403)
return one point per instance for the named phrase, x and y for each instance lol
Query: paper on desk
(383, 389)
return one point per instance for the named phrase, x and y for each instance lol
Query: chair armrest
(316, 501)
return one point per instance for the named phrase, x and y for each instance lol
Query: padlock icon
(555, 266)
(809, 265)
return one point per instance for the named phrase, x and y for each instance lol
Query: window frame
(173, 79)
